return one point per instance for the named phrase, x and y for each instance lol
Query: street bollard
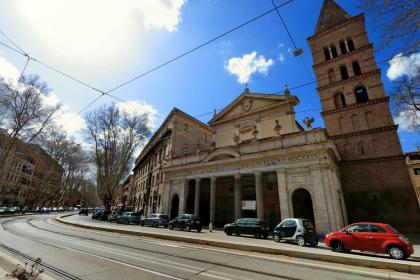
(210, 227)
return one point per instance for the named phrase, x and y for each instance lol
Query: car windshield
(392, 229)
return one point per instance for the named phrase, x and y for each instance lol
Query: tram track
(164, 255)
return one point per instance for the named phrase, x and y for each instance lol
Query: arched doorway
(174, 206)
(302, 205)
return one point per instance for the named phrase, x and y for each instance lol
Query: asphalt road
(72, 253)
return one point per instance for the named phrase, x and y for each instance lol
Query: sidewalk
(219, 239)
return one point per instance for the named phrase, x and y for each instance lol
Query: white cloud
(243, 67)
(281, 45)
(403, 66)
(281, 57)
(8, 72)
(92, 30)
(408, 120)
(136, 107)
(289, 49)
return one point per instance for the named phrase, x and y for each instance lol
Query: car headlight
(404, 240)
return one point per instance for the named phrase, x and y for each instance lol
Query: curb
(400, 266)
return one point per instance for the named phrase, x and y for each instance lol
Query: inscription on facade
(244, 164)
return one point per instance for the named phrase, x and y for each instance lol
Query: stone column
(212, 199)
(166, 203)
(283, 195)
(197, 197)
(322, 222)
(238, 196)
(259, 195)
(183, 196)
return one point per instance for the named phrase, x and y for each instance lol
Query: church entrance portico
(271, 187)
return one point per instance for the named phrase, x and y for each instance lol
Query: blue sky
(105, 43)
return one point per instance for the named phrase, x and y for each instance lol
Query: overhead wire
(200, 46)
(291, 39)
(103, 93)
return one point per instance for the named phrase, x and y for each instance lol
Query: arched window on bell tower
(331, 76)
(361, 94)
(350, 45)
(327, 54)
(334, 51)
(343, 72)
(356, 68)
(339, 100)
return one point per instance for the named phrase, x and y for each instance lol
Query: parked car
(114, 216)
(155, 220)
(129, 218)
(300, 231)
(370, 237)
(4, 210)
(248, 226)
(14, 210)
(187, 222)
(97, 214)
(83, 211)
(104, 215)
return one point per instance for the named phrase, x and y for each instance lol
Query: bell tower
(357, 118)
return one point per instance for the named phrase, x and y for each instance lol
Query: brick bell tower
(357, 118)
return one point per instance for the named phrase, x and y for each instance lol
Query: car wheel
(199, 229)
(171, 227)
(276, 238)
(228, 232)
(142, 224)
(337, 246)
(396, 253)
(126, 222)
(300, 241)
(154, 224)
(188, 228)
(265, 236)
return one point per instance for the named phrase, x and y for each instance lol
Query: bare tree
(397, 21)
(24, 113)
(115, 135)
(70, 155)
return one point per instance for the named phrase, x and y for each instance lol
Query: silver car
(155, 220)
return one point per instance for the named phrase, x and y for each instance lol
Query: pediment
(221, 154)
(248, 103)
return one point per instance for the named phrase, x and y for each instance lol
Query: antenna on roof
(286, 91)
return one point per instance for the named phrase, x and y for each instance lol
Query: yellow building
(413, 164)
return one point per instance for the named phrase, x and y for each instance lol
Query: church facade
(262, 163)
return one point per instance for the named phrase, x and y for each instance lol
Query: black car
(104, 215)
(83, 211)
(248, 226)
(187, 222)
(155, 220)
(97, 214)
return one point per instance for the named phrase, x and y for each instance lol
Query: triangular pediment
(331, 14)
(248, 103)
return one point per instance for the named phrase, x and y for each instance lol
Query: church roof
(331, 14)
(248, 94)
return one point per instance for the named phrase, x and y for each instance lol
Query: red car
(370, 237)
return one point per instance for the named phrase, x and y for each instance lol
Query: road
(73, 253)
